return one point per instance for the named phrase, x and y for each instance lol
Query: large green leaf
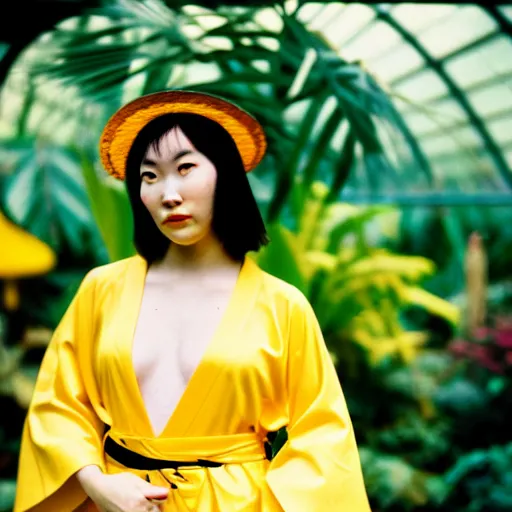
(103, 59)
(111, 209)
(45, 194)
(364, 104)
(281, 258)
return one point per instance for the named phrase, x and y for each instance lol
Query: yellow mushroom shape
(21, 255)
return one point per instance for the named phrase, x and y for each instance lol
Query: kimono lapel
(208, 370)
(132, 290)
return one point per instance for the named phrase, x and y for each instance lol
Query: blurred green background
(386, 190)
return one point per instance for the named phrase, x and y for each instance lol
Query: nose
(171, 197)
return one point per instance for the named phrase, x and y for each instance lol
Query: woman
(171, 369)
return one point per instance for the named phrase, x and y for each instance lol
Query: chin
(185, 239)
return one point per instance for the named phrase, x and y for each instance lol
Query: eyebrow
(176, 157)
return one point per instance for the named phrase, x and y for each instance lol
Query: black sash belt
(134, 460)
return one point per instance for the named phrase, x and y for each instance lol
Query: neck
(207, 253)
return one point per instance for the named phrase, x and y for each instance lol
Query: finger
(155, 493)
(152, 492)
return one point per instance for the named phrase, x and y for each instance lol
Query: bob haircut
(237, 221)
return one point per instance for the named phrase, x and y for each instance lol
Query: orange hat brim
(123, 127)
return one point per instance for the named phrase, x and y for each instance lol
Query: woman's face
(177, 187)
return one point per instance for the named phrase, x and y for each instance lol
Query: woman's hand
(122, 492)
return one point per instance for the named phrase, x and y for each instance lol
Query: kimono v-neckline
(204, 375)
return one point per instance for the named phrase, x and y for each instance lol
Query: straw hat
(122, 128)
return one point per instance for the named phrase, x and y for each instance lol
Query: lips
(176, 218)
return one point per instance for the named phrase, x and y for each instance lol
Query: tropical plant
(42, 190)
(324, 117)
(359, 292)
(412, 403)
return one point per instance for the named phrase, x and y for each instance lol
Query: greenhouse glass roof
(448, 69)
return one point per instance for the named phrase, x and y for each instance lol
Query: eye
(185, 167)
(148, 176)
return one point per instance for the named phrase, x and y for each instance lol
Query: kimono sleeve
(318, 468)
(62, 432)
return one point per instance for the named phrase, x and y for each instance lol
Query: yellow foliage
(409, 267)
(320, 260)
(22, 389)
(372, 321)
(371, 284)
(418, 296)
(309, 223)
(407, 344)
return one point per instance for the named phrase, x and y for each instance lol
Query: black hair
(237, 221)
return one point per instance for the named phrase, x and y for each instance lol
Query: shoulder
(110, 273)
(288, 307)
(113, 269)
(279, 291)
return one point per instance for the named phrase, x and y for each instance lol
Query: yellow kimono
(266, 367)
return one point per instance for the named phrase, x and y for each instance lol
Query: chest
(174, 329)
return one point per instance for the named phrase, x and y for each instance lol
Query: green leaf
(343, 165)
(45, 194)
(417, 296)
(280, 258)
(7, 495)
(111, 208)
(351, 222)
(321, 146)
